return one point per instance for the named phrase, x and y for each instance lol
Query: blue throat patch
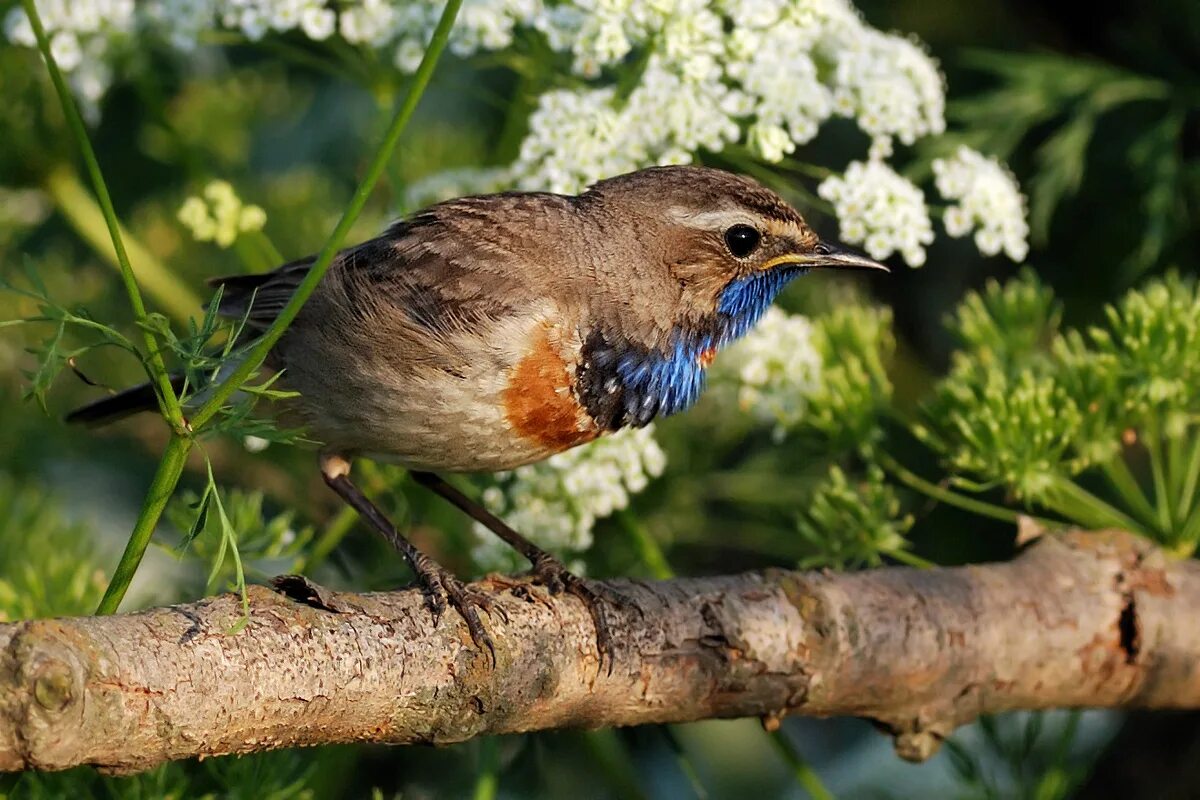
(653, 383)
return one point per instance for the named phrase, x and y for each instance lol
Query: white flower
(774, 367)
(578, 137)
(989, 202)
(84, 35)
(317, 23)
(574, 139)
(219, 215)
(889, 84)
(771, 142)
(776, 71)
(451, 183)
(21, 208)
(255, 444)
(663, 79)
(880, 210)
(754, 13)
(367, 22)
(556, 503)
(64, 46)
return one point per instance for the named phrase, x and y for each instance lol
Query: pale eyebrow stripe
(711, 220)
(722, 219)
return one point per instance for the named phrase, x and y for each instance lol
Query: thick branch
(1082, 620)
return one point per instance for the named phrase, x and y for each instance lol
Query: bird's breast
(541, 403)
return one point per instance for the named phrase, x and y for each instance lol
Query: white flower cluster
(219, 215)
(22, 208)
(775, 368)
(257, 18)
(880, 210)
(556, 503)
(690, 75)
(989, 203)
(889, 85)
(777, 68)
(81, 34)
(451, 183)
(768, 72)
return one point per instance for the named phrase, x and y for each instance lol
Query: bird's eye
(742, 240)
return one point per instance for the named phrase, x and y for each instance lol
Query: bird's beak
(831, 256)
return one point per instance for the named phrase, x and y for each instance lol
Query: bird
(488, 332)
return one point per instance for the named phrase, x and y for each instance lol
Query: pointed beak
(831, 256)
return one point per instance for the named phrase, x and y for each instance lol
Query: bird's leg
(547, 570)
(440, 584)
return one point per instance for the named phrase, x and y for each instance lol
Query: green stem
(1187, 494)
(251, 256)
(307, 58)
(684, 762)
(330, 538)
(378, 164)
(268, 247)
(87, 218)
(1162, 491)
(516, 117)
(768, 177)
(610, 754)
(170, 468)
(805, 775)
(1175, 469)
(1189, 533)
(1123, 481)
(760, 488)
(167, 400)
(488, 780)
(911, 559)
(814, 171)
(952, 498)
(1073, 501)
(648, 550)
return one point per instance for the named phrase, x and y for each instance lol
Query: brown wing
(452, 266)
(259, 298)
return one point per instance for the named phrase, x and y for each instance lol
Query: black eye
(742, 240)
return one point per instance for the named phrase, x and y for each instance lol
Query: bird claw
(557, 579)
(443, 589)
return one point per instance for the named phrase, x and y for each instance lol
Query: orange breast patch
(539, 403)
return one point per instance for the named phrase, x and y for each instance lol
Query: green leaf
(857, 523)
(198, 525)
(1158, 162)
(48, 565)
(1062, 162)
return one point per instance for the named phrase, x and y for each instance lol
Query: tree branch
(1101, 620)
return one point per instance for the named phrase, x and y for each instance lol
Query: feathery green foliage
(855, 343)
(48, 565)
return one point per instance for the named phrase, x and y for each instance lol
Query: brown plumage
(488, 332)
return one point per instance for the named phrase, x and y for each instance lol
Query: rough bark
(1096, 620)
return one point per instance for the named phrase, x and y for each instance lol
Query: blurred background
(1096, 112)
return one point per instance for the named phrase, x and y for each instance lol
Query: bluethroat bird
(485, 333)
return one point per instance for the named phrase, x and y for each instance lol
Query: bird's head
(729, 242)
(716, 249)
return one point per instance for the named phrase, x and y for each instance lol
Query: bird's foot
(551, 573)
(445, 589)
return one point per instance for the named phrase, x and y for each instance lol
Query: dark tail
(124, 404)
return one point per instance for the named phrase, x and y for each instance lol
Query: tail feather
(123, 404)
